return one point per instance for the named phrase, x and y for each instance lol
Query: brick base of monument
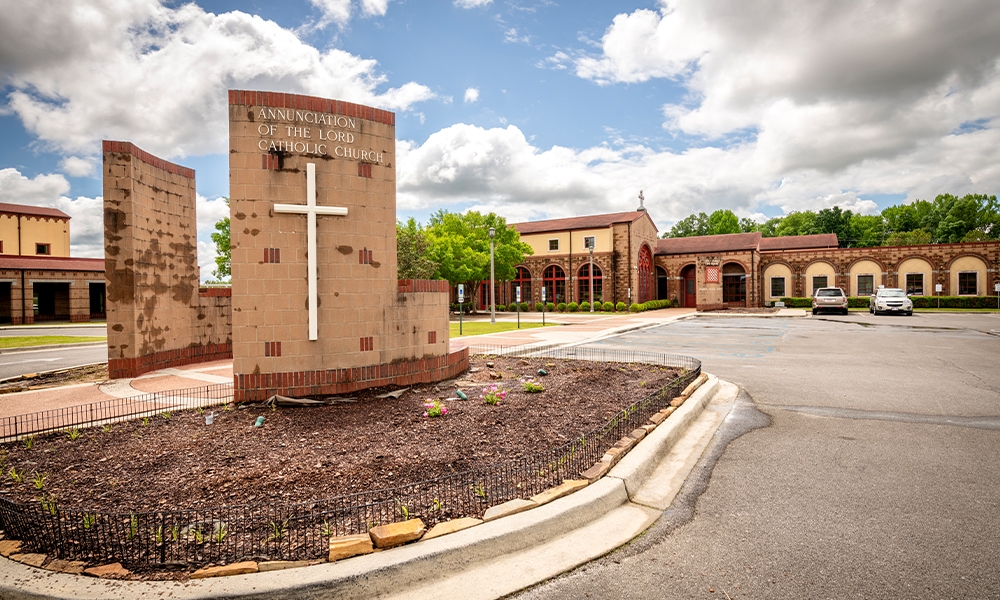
(133, 367)
(261, 386)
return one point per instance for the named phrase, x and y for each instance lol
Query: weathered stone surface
(597, 471)
(112, 570)
(395, 534)
(451, 527)
(8, 547)
(678, 401)
(669, 410)
(694, 385)
(35, 560)
(657, 418)
(511, 507)
(240, 568)
(350, 545)
(567, 487)
(74, 567)
(637, 434)
(495, 375)
(280, 565)
(649, 427)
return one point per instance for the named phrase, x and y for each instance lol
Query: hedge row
(918, 302)
(574, 307)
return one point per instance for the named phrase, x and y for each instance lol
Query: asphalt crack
(984, 422)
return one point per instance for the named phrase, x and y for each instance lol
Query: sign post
(461, 303)
(518, 293)
(938, 288)
(543, 307)
(996, 288)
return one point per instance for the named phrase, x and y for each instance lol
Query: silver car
(890, 300)
(830, 298)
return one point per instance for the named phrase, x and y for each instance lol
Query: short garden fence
(298, 531)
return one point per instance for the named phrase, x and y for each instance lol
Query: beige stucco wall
(34, 230)
(913, 266)
(820, 268)
(864, 267)
(777, 271)
(8, 233)
(539, 242)
(969, 263)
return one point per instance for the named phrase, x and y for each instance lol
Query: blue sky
(532, 109)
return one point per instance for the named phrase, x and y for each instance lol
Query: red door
(689, 297)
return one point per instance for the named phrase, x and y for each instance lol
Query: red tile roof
(729, 242)
(51, 263)
(38, 211)
(588, 222)
(798, 242)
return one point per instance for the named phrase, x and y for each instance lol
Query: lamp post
(493, 299)
(591, 277)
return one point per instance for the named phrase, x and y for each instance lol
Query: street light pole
(493, 299)
(591, 278)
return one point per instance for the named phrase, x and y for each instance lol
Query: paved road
(23, 330)
(863, 462)
(20, 362)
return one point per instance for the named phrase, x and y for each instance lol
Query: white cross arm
(302, 209)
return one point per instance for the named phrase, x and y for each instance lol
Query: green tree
(864, 231)
(690, 226)
(723, 221)
(797, 223)
(460, 245)
(769, 228)
(223, 253)
(749, 225)
(412, 247)
(909, 238)
(834, 220)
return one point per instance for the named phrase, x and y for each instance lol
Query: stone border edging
(408, 566)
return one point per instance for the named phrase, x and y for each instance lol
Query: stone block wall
(156, 318)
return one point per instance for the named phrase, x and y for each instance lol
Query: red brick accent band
(133, 367)
(255, 387)
(215, 292)
(146, 157)
(410, 286)
(313, 103)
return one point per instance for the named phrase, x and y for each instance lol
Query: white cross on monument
(311, 210)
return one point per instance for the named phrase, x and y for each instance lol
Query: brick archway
(646, 276)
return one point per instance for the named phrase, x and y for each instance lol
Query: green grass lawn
(941, 310)
(484, 327)
(24, 341)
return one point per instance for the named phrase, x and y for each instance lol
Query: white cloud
(157, 75)
(472, 3)
(340, 12)
(374, 7)
(74, 166)
(472, 94)
(511, 37)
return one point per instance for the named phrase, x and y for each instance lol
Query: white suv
(830, 298)
(890, 300)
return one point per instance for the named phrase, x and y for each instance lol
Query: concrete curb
(51, 347)
(566, 532)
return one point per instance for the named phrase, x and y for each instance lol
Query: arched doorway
(688, 296)
(661, 284)
(583, 277)
(522, 279)
(554, 280)
(734, 284)
(645, 266)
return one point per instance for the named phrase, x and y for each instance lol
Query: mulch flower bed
(176, 461)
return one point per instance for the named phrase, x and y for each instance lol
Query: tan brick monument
(317, 307)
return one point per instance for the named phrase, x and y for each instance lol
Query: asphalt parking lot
(864, 461)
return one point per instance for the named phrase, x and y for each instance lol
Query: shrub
(858, 301)
(954, 301)
(585, 306)
(572, 307)
(550, 306)
(636, 308)
(561, 307)
(501, 308)
(524, 307)
(797, 302)
(620, 307)
(608, 307)
(538, 306)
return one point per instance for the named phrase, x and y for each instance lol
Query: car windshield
(893, 293)
(829, 292)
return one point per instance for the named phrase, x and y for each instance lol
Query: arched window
(554, 279)
(734, 283)
(583, 278)
(522, 279)
(645, 292)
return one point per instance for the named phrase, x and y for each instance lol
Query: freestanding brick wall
(371, 329)
(157, 316)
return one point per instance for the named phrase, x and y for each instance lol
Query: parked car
(830, 298)
(892, 300)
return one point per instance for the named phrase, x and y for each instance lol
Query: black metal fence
(302, 531)
(113, 411)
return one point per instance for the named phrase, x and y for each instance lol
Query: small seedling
(278, 530)
(145, 421)
(165, 414)
(133, 525)
(89, 519)
(108, 428)
(39, 480)
(227, 407)
(158, 537)
(533, 388)
(478, 490)
(137, 434)
(403, 510)
(200, 410)
(220, 533)
(74, 434)
(48, 504)
(175, 533)
(327, 531)
(436, 505)
(16, 475)
(28, 442)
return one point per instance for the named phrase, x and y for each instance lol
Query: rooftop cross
(311, 210)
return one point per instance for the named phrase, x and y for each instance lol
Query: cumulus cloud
(472, 3)
(157, 75)
(511, 37)
(472, 94)
(341, 11)
(74, 166)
